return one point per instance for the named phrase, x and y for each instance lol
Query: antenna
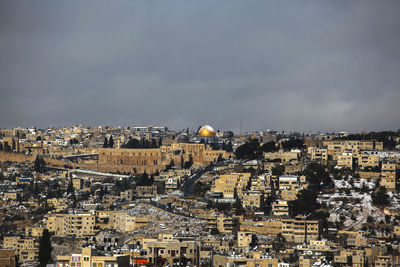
(241, 125)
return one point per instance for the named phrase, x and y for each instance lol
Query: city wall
(16, 157)
(112, 168)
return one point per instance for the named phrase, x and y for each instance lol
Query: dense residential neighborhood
(150, 196)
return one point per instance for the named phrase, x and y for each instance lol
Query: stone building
(90, 258)
(27, 248)
(7, 258)
(78, 225)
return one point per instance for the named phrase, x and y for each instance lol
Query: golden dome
(206, 130)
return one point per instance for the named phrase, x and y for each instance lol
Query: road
(187, 186)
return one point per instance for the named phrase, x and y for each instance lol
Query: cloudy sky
(284, 65)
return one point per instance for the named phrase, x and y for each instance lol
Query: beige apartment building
(126, 195)
(345, 160)
(222, 223)
(357, 257)
(289, 195)
(285, 157)
(288, 182)
(228, 184)
(252, 199)
(15, 195)
(290, 185)
(318, 154)
(7, 258)
(293, 168)
(146, 191)
(59, 204)
(280, 208)
(300, 230)
(27, 248)
(255, 260)
(367, 160)
(34, 231)
(108, 201)
(244, 239)
(119, 220)
(337, 147)
(173, 252)
(388, 175)
(90, 258)
(78, 225)
(262, 184)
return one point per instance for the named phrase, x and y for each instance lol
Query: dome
(183, 138)
(206, 130)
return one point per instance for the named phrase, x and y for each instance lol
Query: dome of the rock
(206, 130)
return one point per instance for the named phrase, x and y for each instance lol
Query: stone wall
(369, 175)
(16, 157)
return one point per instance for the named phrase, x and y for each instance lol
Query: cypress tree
(70, 188)
(105, 144)
(45, 248)
(111, 142)
(39, 164)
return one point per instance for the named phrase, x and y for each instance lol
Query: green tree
(292, 143)
(229, 147)
(380, 197)
(239, 210)
(70, 188)
(153, 143)
(144, 180)
(279, 243)
(188, 163)
(278, 170)
(36, 189)
(249, 150)
(132, 143)
(317, 176)
(268, 205)
(45, 248)
(214, 231)
(111, 142)
(105, 144)
(269, 147)
(200, 188)
(39, 164)
(306, 202)
(170, 165)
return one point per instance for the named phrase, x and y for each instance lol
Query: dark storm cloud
(293, 65)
